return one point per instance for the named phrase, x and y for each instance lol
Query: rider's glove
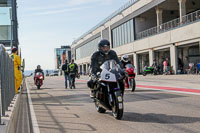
(94, 77)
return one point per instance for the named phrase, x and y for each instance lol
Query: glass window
(125, 33)
(87, 49)
(131, 30)
(117, 36)
(128, 32)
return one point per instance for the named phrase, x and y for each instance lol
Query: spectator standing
(17, 69)
(73, 71)
(65, 68)
(165, 64)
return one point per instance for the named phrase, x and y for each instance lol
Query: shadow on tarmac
(135, 97)
(158, 118)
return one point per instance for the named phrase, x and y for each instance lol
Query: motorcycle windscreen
(129, 66)
(109, 70)
(38, 74)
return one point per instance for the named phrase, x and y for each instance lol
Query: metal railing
(7, 81)
(187, 19)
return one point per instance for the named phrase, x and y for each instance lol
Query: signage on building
(5, 14)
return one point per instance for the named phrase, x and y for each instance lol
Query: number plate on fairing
(119, 98)
(108, 76)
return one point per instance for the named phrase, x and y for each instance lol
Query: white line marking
(191, 93)
(33, 116)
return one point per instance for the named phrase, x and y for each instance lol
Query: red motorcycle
(130, 77)
(39, 77)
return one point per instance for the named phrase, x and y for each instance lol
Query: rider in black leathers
(38, 70)
(98, 58)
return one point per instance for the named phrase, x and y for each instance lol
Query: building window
(87, 49)
(123, 34)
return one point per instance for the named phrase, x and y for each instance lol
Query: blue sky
(48, 24)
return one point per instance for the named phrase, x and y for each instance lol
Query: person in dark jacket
(73, 71)
(65, 68)
(98, 58)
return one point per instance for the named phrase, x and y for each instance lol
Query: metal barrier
(187, 19)
(7, 81)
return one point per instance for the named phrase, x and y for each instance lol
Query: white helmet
(125, 58)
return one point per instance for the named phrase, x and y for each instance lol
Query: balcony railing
(187, 19)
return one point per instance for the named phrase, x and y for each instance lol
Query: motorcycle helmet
(125, 58)
(38, 67)
(104, 46)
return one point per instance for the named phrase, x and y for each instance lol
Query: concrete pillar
(182, 9)
(151, 57)
(174, 58)
(135, 56)
(79, 68)
(159, 16)
(87, 68)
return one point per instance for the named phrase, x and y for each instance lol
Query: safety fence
(7, 81)
(185, 20)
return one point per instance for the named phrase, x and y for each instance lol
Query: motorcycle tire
(133, 85)
(116, 110)
(38, 87)
(144, 73)
(99, 109)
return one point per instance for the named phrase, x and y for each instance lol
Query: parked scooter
(39, 77)
(130, 77)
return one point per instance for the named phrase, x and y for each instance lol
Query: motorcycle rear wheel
(133, 85)
(116, 111)
(144, 73)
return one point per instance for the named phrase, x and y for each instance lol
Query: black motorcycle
(108, 94)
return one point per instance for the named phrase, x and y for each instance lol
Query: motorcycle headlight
(41, 77)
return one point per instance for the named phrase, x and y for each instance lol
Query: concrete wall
(145, 22)
(176, 36)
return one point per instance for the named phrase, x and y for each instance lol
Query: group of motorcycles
(108, 92)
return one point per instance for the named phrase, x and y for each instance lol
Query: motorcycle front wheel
(117, 108)
(133, 84)
(38, 86)
(99, 109)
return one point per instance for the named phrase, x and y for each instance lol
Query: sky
(47, 24)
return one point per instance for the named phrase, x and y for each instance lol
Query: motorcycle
(108, 94)
(130, 77)
(39, 77)
(151, 70)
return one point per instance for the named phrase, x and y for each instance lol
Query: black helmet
(104, 43)
(38, 67)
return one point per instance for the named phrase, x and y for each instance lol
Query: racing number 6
(107, 76)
